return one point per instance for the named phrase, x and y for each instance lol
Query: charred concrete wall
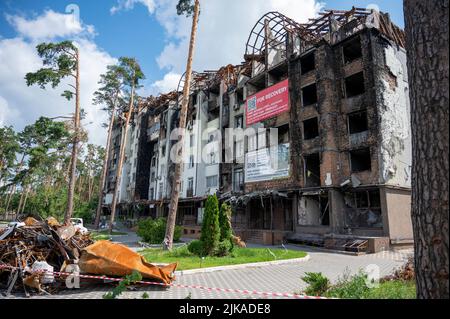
(144, 157)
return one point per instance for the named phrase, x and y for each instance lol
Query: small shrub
(225, 222)
(354, 287)
(318, 284)
(196, 247)
(122, 286)
(210, 235)
(224, 248)
(154, 230)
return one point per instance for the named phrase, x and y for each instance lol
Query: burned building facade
(336, 90)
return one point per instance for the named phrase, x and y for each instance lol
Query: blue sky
(149, 30)
(136, 32)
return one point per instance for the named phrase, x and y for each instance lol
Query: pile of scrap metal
(39, 255)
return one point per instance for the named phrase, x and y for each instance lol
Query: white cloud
(168, 83)
(49, 25)
(223, 29)
(129, 5)
(21, 105)
(6, 112)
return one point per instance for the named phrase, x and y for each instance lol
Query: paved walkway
(273, 278)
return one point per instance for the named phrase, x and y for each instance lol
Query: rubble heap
(40, 254)
(35, 245)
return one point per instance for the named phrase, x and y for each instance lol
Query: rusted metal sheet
(107, 258)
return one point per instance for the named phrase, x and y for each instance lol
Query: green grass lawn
(395, 289)
(356, 288)
(186, 260)
(104, 234)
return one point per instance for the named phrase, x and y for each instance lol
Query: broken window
(307, 63)
(283, 134)
(238, 180)
(352, 50)
(357, 122)
(309, 95)
(239, 121)
(360, 160)
(211, 181)
(239, 97)
(191, 161)
(312, 170)
(363, 209)
(354, 85)
(194, 99)
(314, 210)
(310, 128)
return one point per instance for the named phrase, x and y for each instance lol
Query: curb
(241, 266)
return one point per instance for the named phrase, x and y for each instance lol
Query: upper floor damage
(339, 101)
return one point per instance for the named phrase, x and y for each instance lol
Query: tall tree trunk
(121, 159)
(73, 162)
(8, 201)
(104, 173)
(25, 200)
(173, 206)
(21, 200)
(426, 26)
(10, 195)
(90, 182)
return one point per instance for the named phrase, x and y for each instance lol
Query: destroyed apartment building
(336, 89)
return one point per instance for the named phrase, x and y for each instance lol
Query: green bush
(226, 232)
(153, 230)
(350, 287)
(224, 248)
(196, 247)
(210, 235)
(355, 287)
(225, 222)
(318, 284)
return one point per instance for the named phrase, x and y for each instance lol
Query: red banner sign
(268, 103)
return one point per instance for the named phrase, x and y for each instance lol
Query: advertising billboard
(267, 103)
(265, 165)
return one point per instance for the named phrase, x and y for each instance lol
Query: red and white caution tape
(239, 291)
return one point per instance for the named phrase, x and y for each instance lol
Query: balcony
(153, 132)
(213, 104)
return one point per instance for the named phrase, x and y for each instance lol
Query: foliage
(60, 61)
(130, 74)
(185, 7)
(187, 260)
(39, 173)
(355, 287)
(224, 248)
(153, 230)
(210, 234)
(9, 146)
(318, 283)
(110, 92)
(226, 232)
(396, 289)
(196, 247)
(122, 286)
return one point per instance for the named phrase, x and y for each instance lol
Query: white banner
(263, 165)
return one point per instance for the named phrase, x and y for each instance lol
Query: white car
(78, 224)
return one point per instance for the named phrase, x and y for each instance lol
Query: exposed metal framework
(278, 26)
(277, 23)
(330, 20)
(196, 78)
